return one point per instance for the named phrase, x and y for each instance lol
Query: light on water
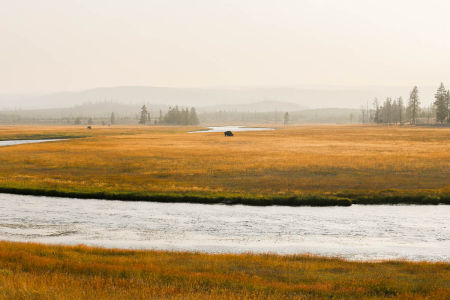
(356, 232)
(232, 128)
(19, 142)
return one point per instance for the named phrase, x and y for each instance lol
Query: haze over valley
(238, 149)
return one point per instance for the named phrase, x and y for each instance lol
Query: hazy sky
(50, 45)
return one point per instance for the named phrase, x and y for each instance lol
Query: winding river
(358, 232)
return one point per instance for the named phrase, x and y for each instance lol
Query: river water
(232, 128)
(357, 232)
(19, 142)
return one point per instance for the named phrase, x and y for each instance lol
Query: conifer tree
(193, 118)
(400, 110)
(144, 115)
(286, 118)
(388, 111)
(376, 106)
(184, 117)
(413, 105)
(448, 107)
(441, 104)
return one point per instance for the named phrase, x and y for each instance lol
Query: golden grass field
(33, 271)
(325, 160)
(301, 160)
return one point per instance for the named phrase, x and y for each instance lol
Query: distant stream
(232, 128)
(19, 142)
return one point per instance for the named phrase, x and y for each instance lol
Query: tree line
(396, 111)
(89, 120)
(174, 116)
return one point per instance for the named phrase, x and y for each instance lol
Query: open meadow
(361, 164)
(34, 271)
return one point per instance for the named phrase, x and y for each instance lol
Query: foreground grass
(33, 271)
(305, 165)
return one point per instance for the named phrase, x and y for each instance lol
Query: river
(232, 128)
(20, 142)
(359, 232)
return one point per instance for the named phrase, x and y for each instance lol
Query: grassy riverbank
(304, 165)
(33, 271)
(308, 200)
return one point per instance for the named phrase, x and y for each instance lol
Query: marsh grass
(34, 271)
(304, 165)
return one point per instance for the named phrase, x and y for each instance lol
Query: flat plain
(363, 164)
(360, 163)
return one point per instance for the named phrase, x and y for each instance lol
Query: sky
(55, 45)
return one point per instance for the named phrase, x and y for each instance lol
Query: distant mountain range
(263, 106)
(246, 98)
(126, 103)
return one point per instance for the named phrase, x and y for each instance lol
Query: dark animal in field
(228, 133)
(89, 127)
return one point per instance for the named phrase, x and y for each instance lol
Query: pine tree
(363, 114)
(113, 119)
(400, 110)
(376, 106)
(413, 105)
(388, 110)
(441, 104)
(193, 118)
(144, 115)
(448, 107)
(286, 118)
(184, 117)
(175, 116)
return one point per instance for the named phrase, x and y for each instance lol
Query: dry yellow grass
(33, 271)
(287, 161)
(297, 160)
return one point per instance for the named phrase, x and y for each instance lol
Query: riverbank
(60, 272)
(343, 198)
(309, 200)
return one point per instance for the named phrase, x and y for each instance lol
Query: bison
(228, 133)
